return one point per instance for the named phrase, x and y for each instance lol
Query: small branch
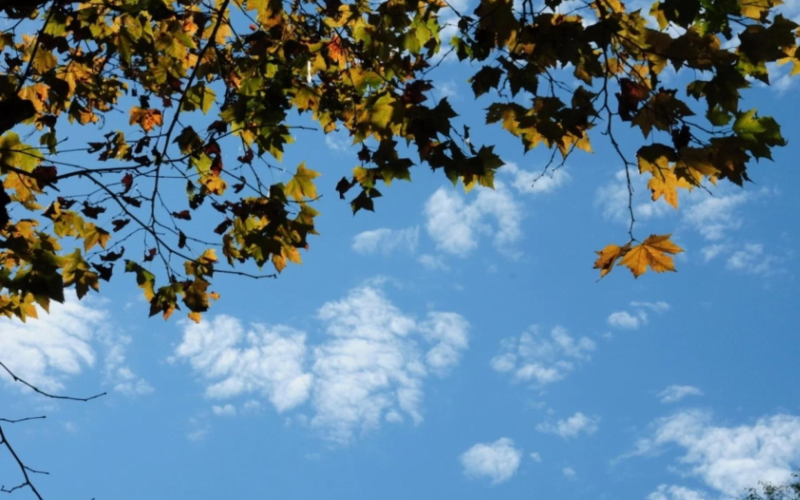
(18, 420)
(43, 393)
(22, 467)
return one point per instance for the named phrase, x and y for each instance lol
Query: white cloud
(200, 430)
(539, 359)
(570, 427)
(711, 252)
(433, 262)
(238, 361)
(528, 182)
(613, 198)
(632, 321)
(455, 225)
(569, 473)
(624, 319)
(659, 307)
(224, 411)
(48, 351)
(338, 141)
(673, 492)
(714, 216)
(752, 260)
(675, 393)
(369, 367)
(386, 241)
(536, 457)
(730, 459)
(447, 89)
(372, 364)
(497, 461)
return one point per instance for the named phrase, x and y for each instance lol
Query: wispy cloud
(542, 359)
(62, 344)
(675, 393)
(570, 427)
(529, 182)
(386, 241)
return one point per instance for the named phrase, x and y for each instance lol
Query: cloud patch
(542, 359)
(370, 365)
(386, 241)
(728, 459)
(47, 352)
(497, 461)
(571, 427)
(456, 225)
(675, 393)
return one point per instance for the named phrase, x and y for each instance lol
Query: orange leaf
(608, 256)
(148, 119)
(653, 253)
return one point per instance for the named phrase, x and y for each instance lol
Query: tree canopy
(195, 78)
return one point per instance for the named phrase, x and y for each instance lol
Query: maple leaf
(652, 253)
(302, 184)
(608, 256)
(148, 119)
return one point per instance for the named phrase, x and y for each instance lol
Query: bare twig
(43, 393)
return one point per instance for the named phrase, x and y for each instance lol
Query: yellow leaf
(651, 253)
(195, 316)
(209, 256)
(302, 186)
(666, 186)
(279, 262)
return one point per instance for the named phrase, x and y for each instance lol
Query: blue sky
(448, 346)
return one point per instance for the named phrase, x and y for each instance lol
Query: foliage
(193, 77)
(789, 490)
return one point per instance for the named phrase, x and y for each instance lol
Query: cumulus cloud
(497, 461)
(235, 360)
(456, 225)
(386, 241)
(570, 427)
(728, 459)
(624, 319)
(370, 366)
(569, 473)
(528, 182)
(49, 351)
(632, 321)
(675, 393)
(539, 358)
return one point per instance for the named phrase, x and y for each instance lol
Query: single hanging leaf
(651, 253)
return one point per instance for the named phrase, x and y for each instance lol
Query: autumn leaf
(148, 119)
(608, 257)
(654, 252)
(302, 184)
